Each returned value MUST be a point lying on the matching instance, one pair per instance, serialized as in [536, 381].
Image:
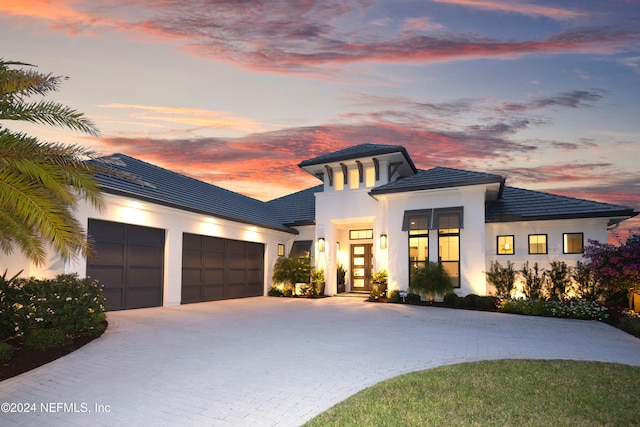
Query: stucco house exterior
[167, 239]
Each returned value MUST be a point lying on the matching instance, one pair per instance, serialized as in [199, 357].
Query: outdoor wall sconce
[383, 241]
[321, 244]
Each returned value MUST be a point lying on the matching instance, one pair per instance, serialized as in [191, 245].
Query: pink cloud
[520, 8]
[303, 37]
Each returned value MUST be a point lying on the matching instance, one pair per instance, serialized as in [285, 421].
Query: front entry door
[361, 264]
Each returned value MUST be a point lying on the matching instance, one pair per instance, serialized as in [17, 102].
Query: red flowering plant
[615, 268]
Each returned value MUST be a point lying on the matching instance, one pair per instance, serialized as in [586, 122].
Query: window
[449, 250]
[338, 180]
[418, 242]
[573, 243]
[354, 178]
[301, 249]
[360, 234]
[505, 245]
[537, 244]
[370, 176]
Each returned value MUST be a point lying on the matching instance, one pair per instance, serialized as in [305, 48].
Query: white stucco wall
[592, 229]
[472, 240]
[175, 222]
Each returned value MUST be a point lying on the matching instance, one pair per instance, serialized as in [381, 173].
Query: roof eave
[114, 191]
[375, 191]
[517, 218]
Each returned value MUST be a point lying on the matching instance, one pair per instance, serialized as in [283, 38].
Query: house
[166, 239]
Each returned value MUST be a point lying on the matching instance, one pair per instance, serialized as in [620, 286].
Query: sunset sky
[237, 93]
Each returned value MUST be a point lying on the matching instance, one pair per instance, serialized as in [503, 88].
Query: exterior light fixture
[383, 241]
[321, 244]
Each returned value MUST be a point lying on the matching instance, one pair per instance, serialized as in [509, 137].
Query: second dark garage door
[214, 268]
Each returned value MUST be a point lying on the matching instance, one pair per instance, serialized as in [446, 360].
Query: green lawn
[498, 393]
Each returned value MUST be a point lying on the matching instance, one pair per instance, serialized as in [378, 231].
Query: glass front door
[361, 264]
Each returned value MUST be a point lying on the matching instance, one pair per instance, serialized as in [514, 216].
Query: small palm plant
[432, 280]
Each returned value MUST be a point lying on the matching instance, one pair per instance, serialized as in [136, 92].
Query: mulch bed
[25, 358]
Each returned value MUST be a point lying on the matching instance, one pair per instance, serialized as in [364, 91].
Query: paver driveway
[275, 361]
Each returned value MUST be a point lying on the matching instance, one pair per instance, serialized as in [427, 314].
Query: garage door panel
[214, 244]
[144, 277]
[214, 260]
[230, 268]
[213, 292]
[142, 297]
[192, 276]
[145, 236]
[191, 241]
[129, 263]
[190, 294]
[145, 255]
[114, 299]
[109, 254]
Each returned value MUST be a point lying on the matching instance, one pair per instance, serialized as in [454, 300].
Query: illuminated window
[338, 180]
[370, 176]
[449, 252]
[537, 244]
[505, 245]
[573, 243]
[354, 178]
[361, 234]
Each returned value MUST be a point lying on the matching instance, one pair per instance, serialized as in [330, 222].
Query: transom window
[361, 234]
[505, 245]
[537, 244]
[573, 243]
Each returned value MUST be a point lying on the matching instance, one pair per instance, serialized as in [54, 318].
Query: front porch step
[352, 295]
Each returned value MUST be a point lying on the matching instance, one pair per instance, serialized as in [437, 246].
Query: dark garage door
[129, 263]
[215, 268]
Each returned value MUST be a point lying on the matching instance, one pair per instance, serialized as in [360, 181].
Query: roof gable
[164, 187]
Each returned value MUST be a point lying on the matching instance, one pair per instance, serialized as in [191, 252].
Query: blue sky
[237, 93]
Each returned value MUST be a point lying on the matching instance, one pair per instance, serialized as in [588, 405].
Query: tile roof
[518, 204]
[358, 151]
[438, 177]
[297, 208]
[168, 188]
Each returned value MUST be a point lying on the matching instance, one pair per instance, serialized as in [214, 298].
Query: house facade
[166, 239]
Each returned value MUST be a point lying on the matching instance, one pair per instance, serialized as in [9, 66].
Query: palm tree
[41, 183]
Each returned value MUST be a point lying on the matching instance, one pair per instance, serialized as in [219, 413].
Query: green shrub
[6, 352]
[585, 283]
[578, 309]
[487, 302]
[413, 298]
[67, 303]
[534, 281]
[43, 339]
[431, 280]
[11, 321]
[275, 292]
[470, 300]
[559, 283]
[451, 299]
[394, 296]
[630, 325]
[502, 278]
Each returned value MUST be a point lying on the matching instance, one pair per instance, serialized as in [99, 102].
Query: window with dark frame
[361, 234]
[505, 245]
[573, 243]
[538, 244]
